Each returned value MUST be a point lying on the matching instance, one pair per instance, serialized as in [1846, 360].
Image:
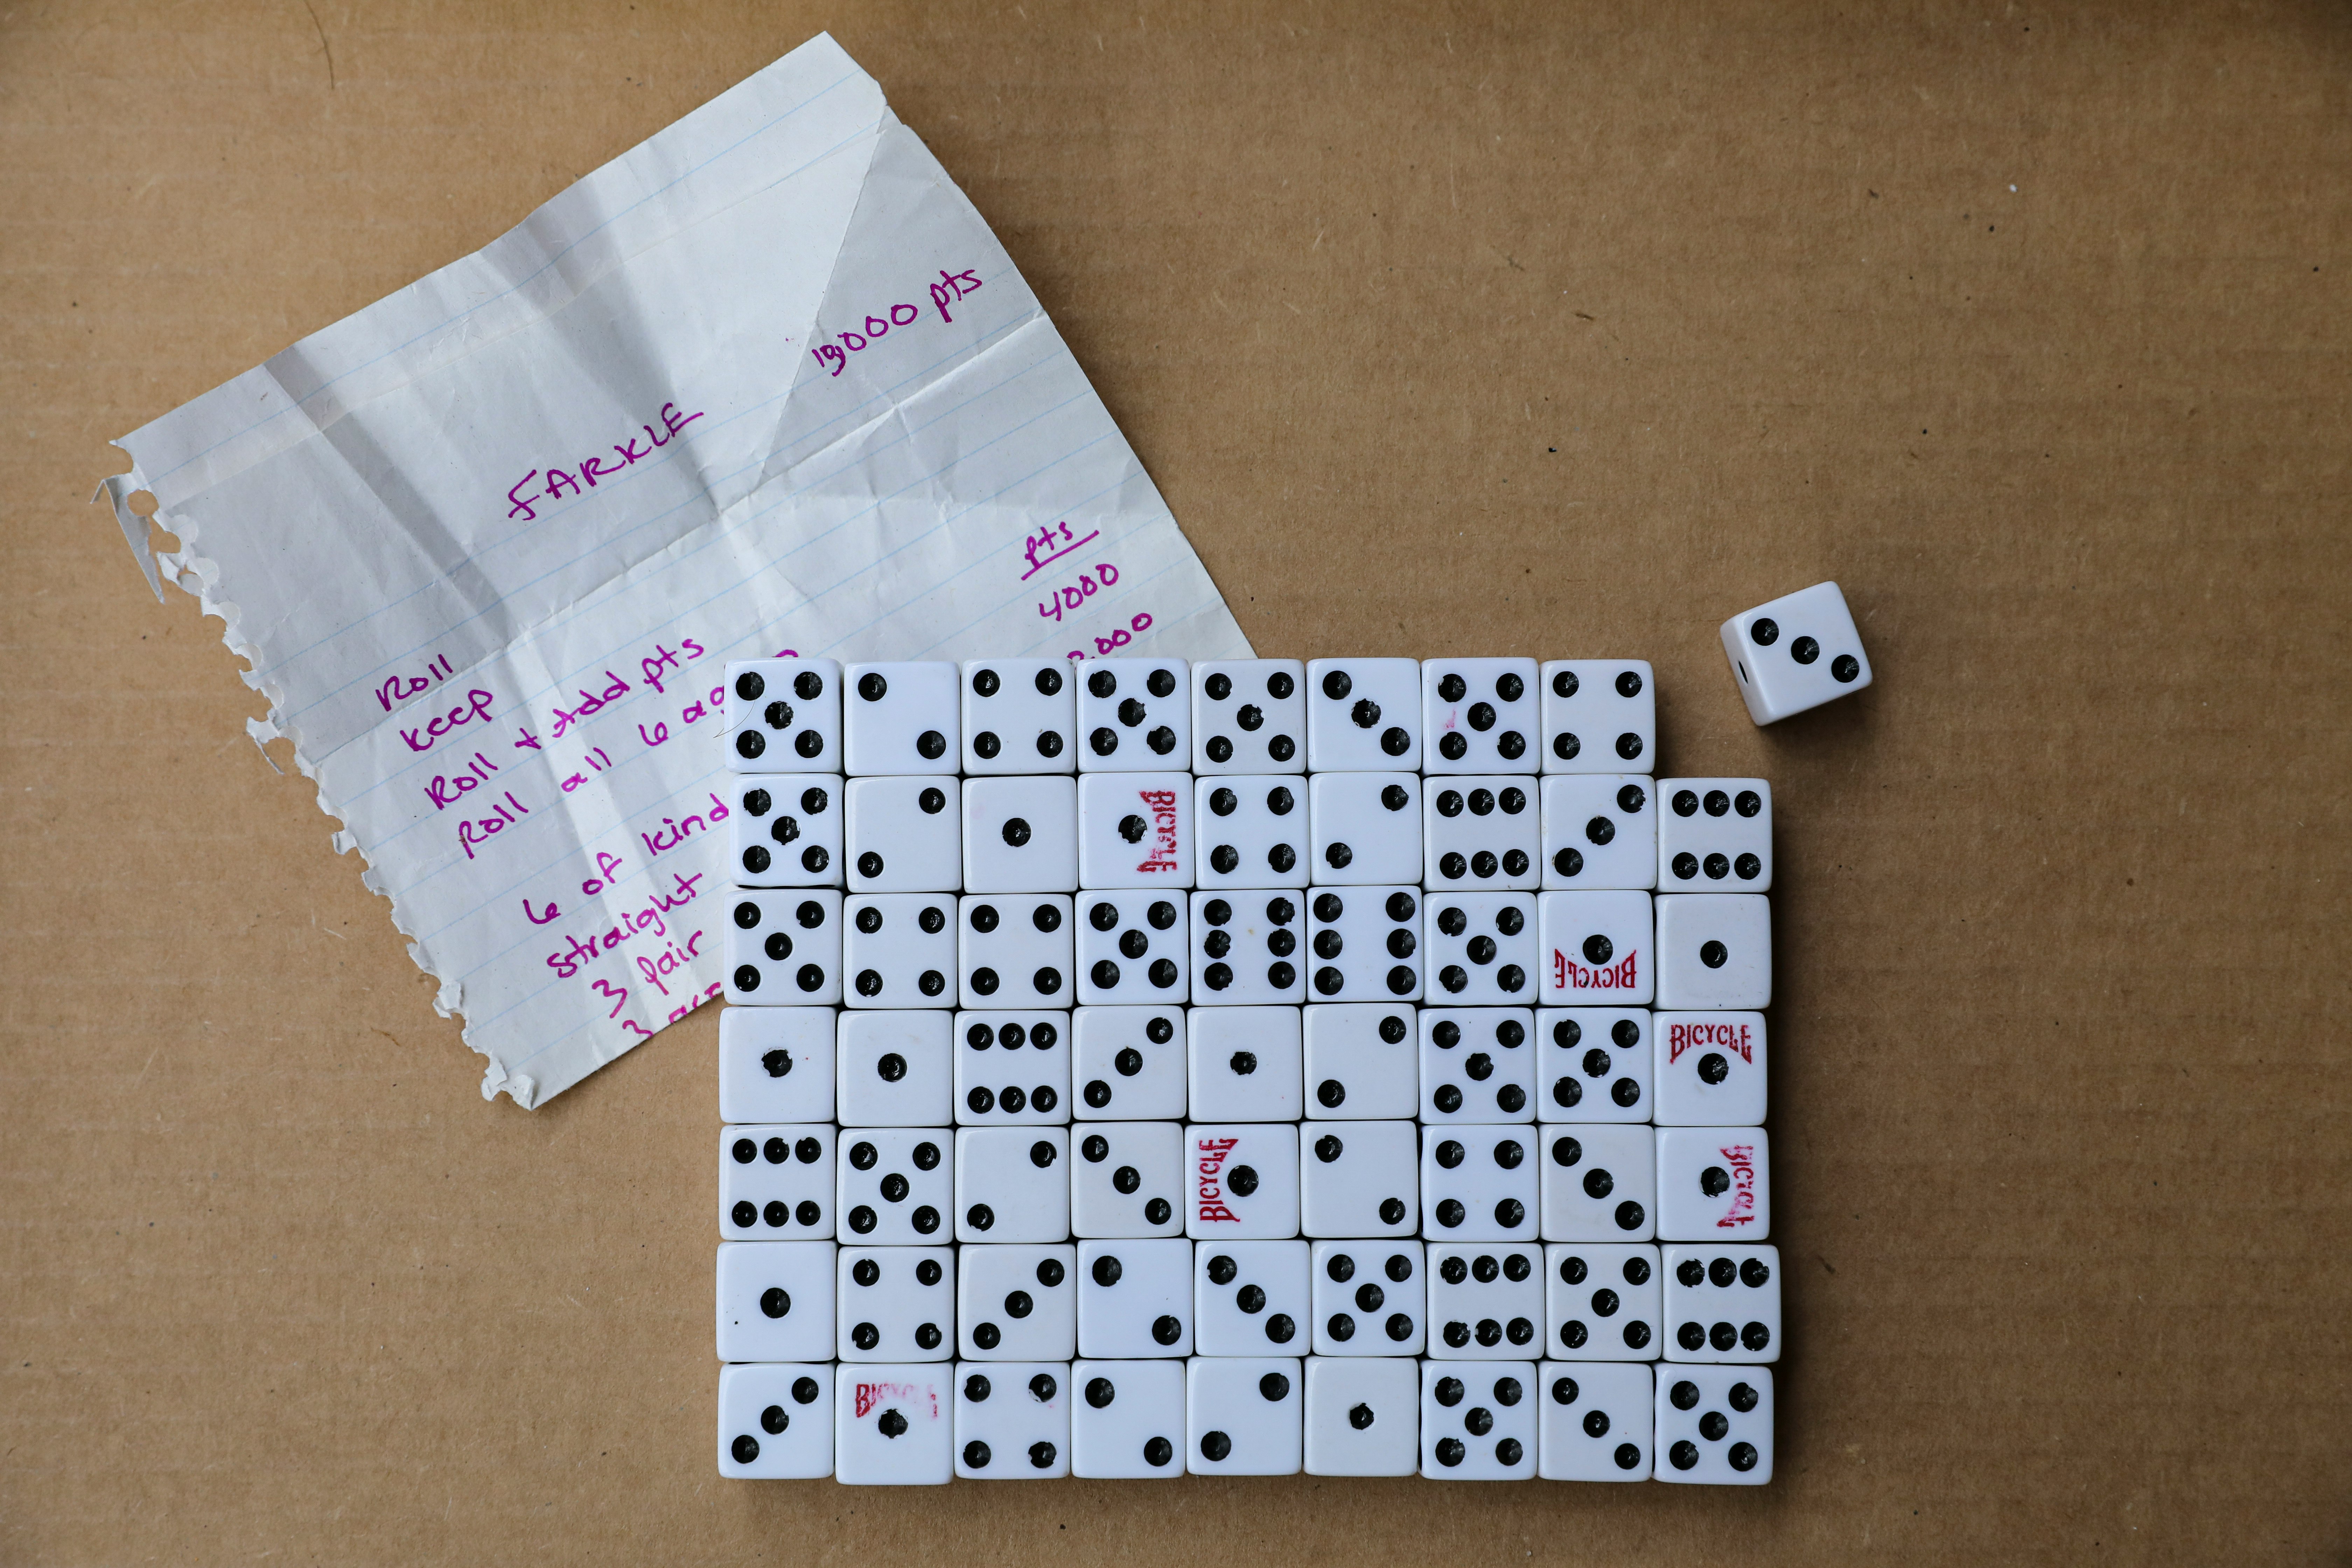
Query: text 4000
[1072, 597]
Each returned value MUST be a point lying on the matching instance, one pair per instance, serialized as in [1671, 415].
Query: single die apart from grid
[1246, 948]
[896, 1303]
[1126, 1419]
[1127, 1180]
[900, 719]
[1486, 1300]
[1479, 715]
[1478, 1422]
[1714, 1184]
[1480, 833]
[1363, 714]
[1602, 1301]
[1594, 949]
[1714, 1424]
[1723, 1302]
[776, 1182]
[1130, 1064]
[1362, 1061]
[1715, 950]
[1251, 830]
[896, 1185]
[1135, 714]
[775, 1063]
[1599, 716]
[1709, 1068]
[1249, 1297]
[903, 835]
[1363, 1416]
[1359, 1178]
[1480, 947]
[1013, 1421]
[1245, 1064]
[1363, 829]
[893, 1424]
[1243, 1415]
[1135, 1298]
[785, 714]
[1020, 716]
[1021, 835]
[1599, 830]
[1018, 1303]
[1480, 1183]
[1012, 1183]
[775, 1421]
[1600, 1182]
[1011, 1069]
[1477, 1064]
[1015, 950]
[1243, 1180]
[786, 832]
[1714, 836]
[1795, 653]
[894, 1069]
[1249, 716]
[1593, 1064]
[1595, 1421]
[1364, 944]
[1134, 946]
[1369, 1298]
[1135, 830]
[899, 950]
[784, 948]
[775, 1301]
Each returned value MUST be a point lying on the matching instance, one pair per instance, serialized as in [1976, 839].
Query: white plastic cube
[1715, 951]
[1249, 716]
[1130, 1064]
[1019, 716]
[1479, 716]
[1594, 950]
[1795, 653]
[1135, 714]
[784, 715]
[775, 1063]
[775, 1421]
[1599, 716]
[900, 719]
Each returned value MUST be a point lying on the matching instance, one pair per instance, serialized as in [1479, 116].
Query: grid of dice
[1138, 1068]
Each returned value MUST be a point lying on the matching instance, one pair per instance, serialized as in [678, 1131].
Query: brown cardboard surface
[1443, 327]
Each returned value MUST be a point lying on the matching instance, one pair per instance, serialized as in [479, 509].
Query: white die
[1127, 1421]
[1012, 1183]
[1714, 1424]
[893, 1424]
[775, 1421]
[900, 719]
[1017, 1303]
[1135, 1298]
[1243, 1415]
[776, 1183]
[1244, 1181]
[1723, 1303]
[1365, 944]
[1362, 1061]
[1596, 1421]
[1363, 829]
[1369, 1298]
[775, 1063]
[896, 1187]
[1486, 1300]
[1246, 948]
[1595, 950]
[1714, 1184]
[1249, 1297]
[1016, 950]
[903, 835]
[896, 1303]
[1011, 1069]
[1479, 715]
[1599, 716]
[1249, 716]
[1478, 1423]
[1134, 946]
[894, 1069]
[784, 948]
[899, 950]
[1245, 1064]
[1363, 715]
[1019, 716]
[1013, 1421]
[1477, 1064]
[1021, 835]
[1602, 1301]
[1709, 1068]
[1714, 836]
[1363, 1416]
[1715, 951]
[784, 715]
[1599, 830]
[775, 1301]
[786, 832]
[1479, 1183]
[1480, 833]
[1135, 714]
[1481, 948]
[1135, 830]
[1359, 1179]
[1127, 1180]
[1600, 1182]
[1130, 1064]
[1251, 830]
[1593, 1064]
[1795, 653]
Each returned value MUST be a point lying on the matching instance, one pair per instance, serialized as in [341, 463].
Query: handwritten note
[766, 381]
